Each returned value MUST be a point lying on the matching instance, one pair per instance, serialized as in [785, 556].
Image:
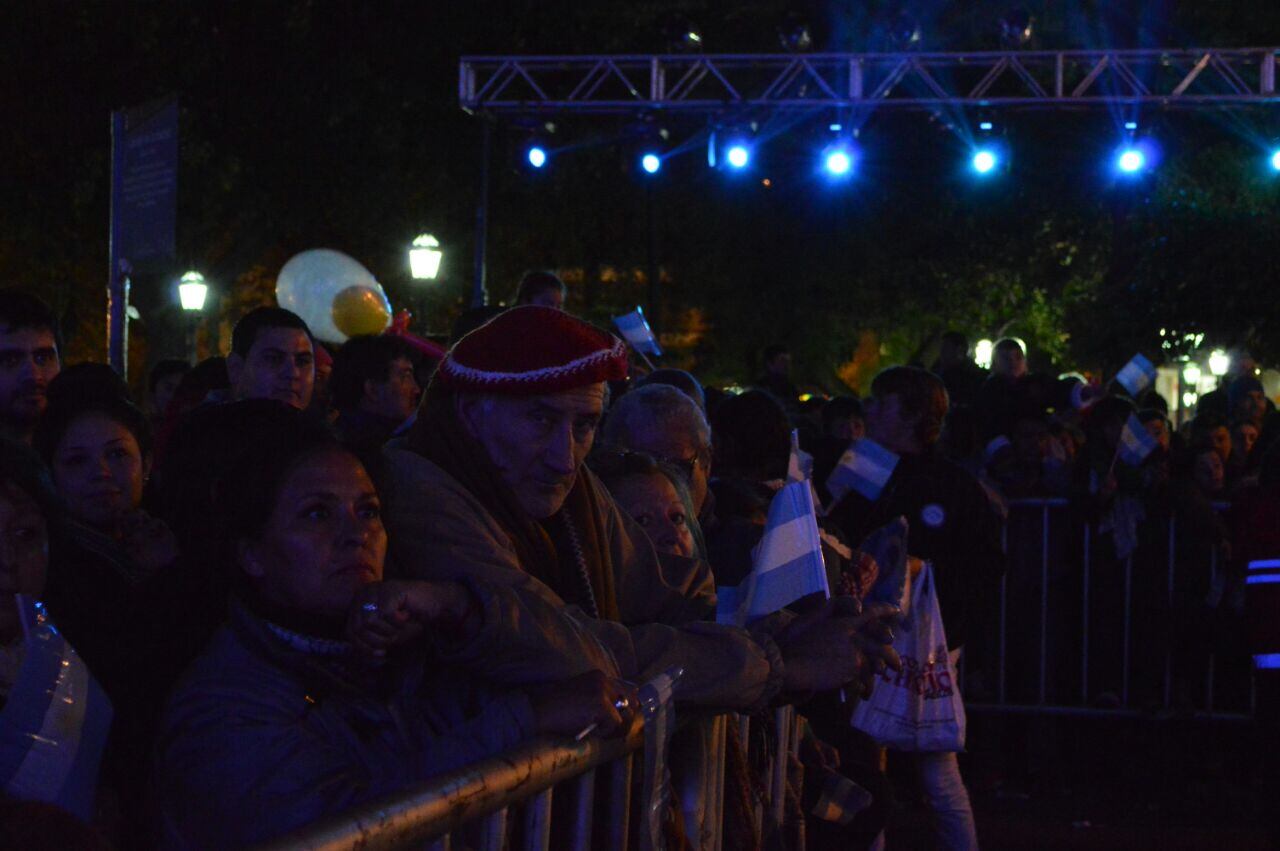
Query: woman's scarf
[580, 570]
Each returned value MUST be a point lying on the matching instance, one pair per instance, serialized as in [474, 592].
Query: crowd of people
[306, 579]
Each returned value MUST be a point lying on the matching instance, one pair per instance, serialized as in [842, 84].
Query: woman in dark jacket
[323, 692]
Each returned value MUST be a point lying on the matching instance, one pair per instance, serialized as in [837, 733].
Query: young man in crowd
[952, 525]
[373, 388]
[272, 357]
[492, 484]
[777, 377]
[28, 362]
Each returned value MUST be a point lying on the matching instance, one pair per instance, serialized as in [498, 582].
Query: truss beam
[1185, 78]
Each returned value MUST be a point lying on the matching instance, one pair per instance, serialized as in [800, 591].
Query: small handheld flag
[787, 563]
[635, 329]
[1137, 375]
[865, 467]
[1136, 443]
[800, 467]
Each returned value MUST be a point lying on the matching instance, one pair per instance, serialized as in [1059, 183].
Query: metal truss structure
[1184, 78]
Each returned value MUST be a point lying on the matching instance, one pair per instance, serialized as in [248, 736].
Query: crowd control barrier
[1079, 631]
[597, 786]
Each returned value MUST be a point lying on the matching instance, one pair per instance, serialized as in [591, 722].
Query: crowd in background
[304, 583]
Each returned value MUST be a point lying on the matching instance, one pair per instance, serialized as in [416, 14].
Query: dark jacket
[952, 524]
[270, 731]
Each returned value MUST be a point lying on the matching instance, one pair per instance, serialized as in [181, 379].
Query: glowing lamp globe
[425, 257]
[192, 291]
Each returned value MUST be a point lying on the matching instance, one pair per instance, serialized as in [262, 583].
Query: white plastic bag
[920, 708]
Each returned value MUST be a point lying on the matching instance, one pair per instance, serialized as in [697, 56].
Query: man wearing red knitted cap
[492, 484]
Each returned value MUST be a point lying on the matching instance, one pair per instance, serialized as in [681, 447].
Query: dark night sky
[309, 123]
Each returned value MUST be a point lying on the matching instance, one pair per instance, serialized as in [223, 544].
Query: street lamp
[424, 257]
[1218, 362]
[982, 353]
[192, 291]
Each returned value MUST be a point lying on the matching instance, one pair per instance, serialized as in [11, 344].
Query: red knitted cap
[531, 350]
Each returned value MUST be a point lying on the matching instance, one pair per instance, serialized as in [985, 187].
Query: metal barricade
[519, 788]
[1046, 577]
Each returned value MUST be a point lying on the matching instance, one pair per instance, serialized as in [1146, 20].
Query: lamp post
[192, 292]
[425, 257]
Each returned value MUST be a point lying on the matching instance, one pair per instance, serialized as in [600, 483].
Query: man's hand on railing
[838, 644]
[568, 707]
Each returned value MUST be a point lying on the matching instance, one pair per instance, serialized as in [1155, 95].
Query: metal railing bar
[1128, 613]
[440, 806]
[1093, 712]
[537, 821]
[619, 826]
[1044, 602]
[493, 831]
[584, 799]
[1084, 632]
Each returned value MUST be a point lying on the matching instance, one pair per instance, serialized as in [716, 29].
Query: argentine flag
[787, 563]
[54, 724]
[635, 329]
[865, 467]
[1136, 443]
[1137, 375]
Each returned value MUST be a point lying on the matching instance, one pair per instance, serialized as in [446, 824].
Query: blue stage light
[838, 161]
[1275, 160]
[984, 161]
[738, 156]
[1131, 125]
[986, 126]
[537, 157]
[1131, 161]
[651, 163]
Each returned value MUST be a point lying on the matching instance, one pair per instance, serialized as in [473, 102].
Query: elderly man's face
[538, 443]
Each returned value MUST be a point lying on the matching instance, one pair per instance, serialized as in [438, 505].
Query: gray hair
[655, 406]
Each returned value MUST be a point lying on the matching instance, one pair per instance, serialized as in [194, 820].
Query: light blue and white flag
[1137, 375]
[635, 329]
[54, 725]
[865, 467]
[787, 563]
[1136, 443]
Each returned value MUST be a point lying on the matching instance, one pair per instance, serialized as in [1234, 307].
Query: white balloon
[310, 281]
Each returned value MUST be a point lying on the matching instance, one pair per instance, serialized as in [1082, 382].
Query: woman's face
[653, 502]
[24, 556]
[99, 471]
[1209, 473]
[324, 540]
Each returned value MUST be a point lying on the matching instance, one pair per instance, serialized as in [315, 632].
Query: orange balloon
[360, 310]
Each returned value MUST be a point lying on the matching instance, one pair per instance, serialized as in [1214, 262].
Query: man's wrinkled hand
[590, 702]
